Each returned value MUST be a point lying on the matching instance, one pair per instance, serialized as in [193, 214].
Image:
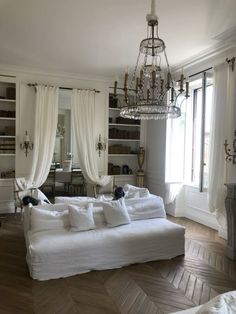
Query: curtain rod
[229, 61]
[68, 88]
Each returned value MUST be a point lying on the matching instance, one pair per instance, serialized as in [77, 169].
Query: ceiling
[101, 37]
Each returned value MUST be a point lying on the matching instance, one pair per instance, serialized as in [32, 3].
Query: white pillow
[145, 208]
[116, 213]
[132, 191]
[42, 220]
[132, 194]
[81, 219]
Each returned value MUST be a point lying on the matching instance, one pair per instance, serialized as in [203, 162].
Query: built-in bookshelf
[123, 143]
[7, 127]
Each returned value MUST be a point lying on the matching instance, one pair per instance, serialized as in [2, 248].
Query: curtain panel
[83, 128]
[223, 123]
[46, 116]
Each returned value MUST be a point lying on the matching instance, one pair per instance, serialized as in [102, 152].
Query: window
[198, 116]
[187, 138]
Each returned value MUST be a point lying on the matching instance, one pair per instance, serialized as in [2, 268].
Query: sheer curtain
[222, 126]
[174, 174]
[46, 115]
[83, 127]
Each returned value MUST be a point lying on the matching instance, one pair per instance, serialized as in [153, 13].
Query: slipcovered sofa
[55, 253]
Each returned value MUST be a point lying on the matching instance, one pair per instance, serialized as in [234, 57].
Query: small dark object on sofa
[119, 192]
[29, 199]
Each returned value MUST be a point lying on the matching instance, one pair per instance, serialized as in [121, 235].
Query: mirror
[63, 149]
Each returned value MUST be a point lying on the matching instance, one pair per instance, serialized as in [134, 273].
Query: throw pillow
[116, 213]
[81, 219]
[42, 220]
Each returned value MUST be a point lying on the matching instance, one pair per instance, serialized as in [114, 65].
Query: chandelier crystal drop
[150, 92]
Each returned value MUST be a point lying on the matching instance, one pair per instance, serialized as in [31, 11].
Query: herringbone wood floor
[155, 287]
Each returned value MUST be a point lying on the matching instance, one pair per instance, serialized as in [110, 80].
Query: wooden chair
[77, 184]
[50, 182]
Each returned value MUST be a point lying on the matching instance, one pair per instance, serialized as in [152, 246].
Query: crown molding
[203, 57]
[227, 36]
[21, 70]
[226, 42]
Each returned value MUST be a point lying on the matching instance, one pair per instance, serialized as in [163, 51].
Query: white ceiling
[101, 37]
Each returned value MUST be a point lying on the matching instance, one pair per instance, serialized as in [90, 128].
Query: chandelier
[150, 92]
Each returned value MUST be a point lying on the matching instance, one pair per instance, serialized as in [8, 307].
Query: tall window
[198, 116]
[187, 140]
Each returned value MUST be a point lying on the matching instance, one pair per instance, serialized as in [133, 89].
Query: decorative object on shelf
[101, 146]
[11, 93]
[27, 144]
[125, 169]
[60, 131]
[230, 156]
[140, 172]
[147, 91]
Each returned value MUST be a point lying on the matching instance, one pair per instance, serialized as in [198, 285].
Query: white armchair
[20, 190]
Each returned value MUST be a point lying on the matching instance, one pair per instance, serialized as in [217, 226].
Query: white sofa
[61, 253]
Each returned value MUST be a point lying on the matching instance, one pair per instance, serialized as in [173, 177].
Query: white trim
[14, 70]
[226, 42]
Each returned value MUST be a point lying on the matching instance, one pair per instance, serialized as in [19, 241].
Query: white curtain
[174, 174]
[83, 127]
[46, 115]
[222, 127]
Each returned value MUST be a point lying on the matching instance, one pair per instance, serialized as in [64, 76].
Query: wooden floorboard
[154, 287]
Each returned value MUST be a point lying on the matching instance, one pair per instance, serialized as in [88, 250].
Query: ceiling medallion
[150, 92]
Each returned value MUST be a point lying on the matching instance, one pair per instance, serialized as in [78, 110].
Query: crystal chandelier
[150, 92]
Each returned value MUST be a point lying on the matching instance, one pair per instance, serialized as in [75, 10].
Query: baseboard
[201, 216]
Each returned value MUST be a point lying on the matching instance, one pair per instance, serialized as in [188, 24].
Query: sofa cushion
[42, 220]
[116, 213]
[81, 218]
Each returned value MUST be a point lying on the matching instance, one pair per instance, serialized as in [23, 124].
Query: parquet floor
[155, 287]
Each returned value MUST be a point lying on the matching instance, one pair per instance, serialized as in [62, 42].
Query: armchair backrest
[106, 189]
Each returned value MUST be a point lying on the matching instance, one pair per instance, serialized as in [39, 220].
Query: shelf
[115, 109]
[7, 100]
[7, 136]
[7, 154]
[122, 155]
[6, 179]
[124, 175]
[121, 124]
[122, 140]
[6, 118]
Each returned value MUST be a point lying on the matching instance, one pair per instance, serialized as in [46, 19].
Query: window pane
[209, 93]
[196, 145]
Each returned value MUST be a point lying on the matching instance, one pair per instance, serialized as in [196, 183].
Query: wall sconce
[27, 144]
[229, 155]
[100, 146]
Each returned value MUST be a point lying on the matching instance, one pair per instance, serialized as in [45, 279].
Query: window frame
[202, 162]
